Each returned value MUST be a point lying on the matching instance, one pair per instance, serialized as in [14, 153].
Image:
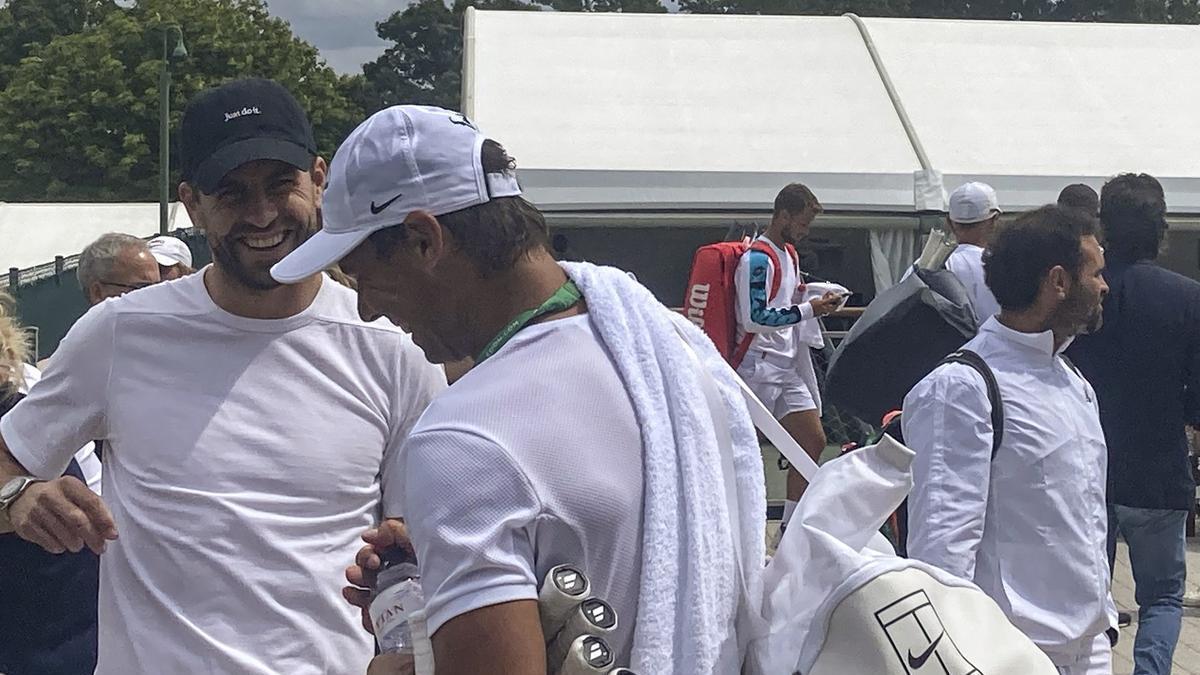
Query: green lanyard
[564, 298]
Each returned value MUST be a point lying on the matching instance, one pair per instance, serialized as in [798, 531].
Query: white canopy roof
[698, 112]
[1031, 107]
[33, 234]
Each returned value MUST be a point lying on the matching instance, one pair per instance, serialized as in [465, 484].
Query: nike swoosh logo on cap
[917, 662]
[376, 210]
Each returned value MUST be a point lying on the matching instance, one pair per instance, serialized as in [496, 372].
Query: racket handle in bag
[588, 655]
[590, 617]
[564, 587]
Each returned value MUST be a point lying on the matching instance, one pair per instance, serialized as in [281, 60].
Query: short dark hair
[1134, 212]
[495, 234]
[794, 198]
[1080, 196]
[1022, 252]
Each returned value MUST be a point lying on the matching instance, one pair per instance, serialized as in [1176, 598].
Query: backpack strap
[969, 358]
[777, 278]
[739, 354]
[1072, 366]
[795, 258]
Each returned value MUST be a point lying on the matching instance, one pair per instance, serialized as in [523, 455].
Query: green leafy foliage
[79, 113]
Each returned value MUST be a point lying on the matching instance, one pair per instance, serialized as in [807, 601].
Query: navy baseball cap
[239, 122]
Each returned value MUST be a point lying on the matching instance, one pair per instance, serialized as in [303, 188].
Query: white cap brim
[165, 260]
[321, 251]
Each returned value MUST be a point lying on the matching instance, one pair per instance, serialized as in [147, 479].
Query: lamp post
[164, 118]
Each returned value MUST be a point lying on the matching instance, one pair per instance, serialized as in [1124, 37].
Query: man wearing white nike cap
[973, 216]
[544, 453]
[247, 425]
[173, 256]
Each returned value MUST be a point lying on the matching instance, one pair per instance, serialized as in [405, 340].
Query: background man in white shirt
[778, 366]
[972, 218]
[250, 429]
[113, 265]
[1029, 525]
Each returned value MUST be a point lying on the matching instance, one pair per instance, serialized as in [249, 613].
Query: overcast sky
[344, 30]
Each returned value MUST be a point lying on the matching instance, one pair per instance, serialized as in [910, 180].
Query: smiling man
[246, 424]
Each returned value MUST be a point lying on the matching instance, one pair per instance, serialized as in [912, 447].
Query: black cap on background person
[239, 122]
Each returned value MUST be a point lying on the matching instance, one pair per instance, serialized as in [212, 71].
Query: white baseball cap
[401, 159]
[170, 251]
[973, 203]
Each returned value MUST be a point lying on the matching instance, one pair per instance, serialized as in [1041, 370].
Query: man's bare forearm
[504, 639]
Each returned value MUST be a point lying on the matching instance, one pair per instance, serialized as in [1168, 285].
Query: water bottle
[398, 609]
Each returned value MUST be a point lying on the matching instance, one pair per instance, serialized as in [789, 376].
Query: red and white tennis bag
[709, 301]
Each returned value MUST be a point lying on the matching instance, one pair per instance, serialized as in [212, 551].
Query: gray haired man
[113, 265]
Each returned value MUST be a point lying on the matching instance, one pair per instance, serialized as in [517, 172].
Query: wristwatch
[13, 489]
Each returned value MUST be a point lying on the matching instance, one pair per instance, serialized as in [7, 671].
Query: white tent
[675, 113]
[34, 233]
[1030, 107]
[622, 111]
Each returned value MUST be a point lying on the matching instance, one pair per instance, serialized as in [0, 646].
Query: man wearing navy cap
[250, 427]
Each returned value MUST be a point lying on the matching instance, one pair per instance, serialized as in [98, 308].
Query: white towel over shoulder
[691, 591]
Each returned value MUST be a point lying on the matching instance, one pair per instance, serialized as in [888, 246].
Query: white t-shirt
[89, 463]
[548, 436]
[243, 459]
[966, 262]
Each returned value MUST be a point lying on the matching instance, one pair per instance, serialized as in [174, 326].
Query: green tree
[424, 65]
[27, 23]
[79, 115]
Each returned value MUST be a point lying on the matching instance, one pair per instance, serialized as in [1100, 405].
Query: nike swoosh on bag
[916, 662]
[376, 210]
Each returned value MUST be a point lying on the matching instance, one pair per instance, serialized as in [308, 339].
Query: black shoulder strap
[1071, 365]
[970, 358]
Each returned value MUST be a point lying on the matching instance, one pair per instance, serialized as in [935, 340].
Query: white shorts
[1099, 662]
[781, 388]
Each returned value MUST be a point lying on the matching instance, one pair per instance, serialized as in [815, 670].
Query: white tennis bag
[837, 600]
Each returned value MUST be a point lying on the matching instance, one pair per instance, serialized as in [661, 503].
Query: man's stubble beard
[248, 276]
[1084, 317]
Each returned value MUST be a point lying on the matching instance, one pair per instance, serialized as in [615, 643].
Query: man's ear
[94, 292]
[1059, 280]
[319, 173]
[189, 196]
[426, 239]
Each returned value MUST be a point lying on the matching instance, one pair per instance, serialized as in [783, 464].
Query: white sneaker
[1191, 599]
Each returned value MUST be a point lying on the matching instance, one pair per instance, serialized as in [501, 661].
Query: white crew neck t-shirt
[548, 436]
[243, 459]
[89, 463]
